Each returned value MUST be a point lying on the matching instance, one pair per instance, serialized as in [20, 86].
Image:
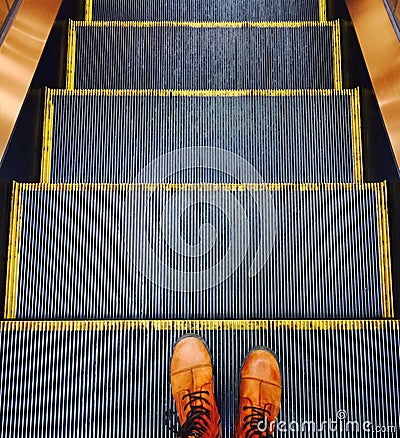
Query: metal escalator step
[172, 55]
[103, 136]
[111, 379]
[199, 251]
[191, 10]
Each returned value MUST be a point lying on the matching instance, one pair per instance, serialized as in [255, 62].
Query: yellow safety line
[211, 24]
[195, 325]
[89, 10]
[356, 135]
[322, 10]
[13, 253]
[389, 278]
[197, 187]
[71, 55]
[47, 137]
[201, 93]
[337, 56]
[384, 253]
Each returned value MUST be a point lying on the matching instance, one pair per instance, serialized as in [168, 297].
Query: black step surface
[111, 379]
[212, 10]
[128, 55]
[200, 251]
[282, 136]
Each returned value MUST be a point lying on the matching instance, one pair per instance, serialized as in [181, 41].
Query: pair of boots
[193, 392]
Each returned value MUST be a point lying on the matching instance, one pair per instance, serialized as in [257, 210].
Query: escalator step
[199, 251]
[212, 10]
[285, 136]
[155, 55]
[112, 378]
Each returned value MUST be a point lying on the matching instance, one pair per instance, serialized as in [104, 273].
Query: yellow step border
[356, 135]
[13, 253]
[337, 56]
[322, 10]
[48, 121]
[384, 251]
[354, 95]
[71, 56]
[380, 190]
[197, 325]
[335, 25]
[89, 10]
[202, 93]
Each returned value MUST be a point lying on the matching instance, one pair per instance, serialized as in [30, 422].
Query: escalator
[209, 169]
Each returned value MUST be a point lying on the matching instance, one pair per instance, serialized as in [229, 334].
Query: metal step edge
[16, 223]
[89, 10]
[73, 25]
[112, 378]
[354, 95]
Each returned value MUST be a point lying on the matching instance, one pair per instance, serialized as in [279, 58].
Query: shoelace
[256, 423]
[198, 419]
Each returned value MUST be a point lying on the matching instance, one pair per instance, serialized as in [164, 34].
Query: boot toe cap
[262, 365]
[189, 352]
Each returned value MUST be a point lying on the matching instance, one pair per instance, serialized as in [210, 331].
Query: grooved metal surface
[114, 382]
[113, 138]
[205, 56]
[213, 10]
[200, 252]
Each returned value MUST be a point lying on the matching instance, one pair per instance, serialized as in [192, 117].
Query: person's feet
[260, 396]
[193, 390]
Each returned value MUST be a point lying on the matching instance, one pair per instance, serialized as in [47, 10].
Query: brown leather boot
[260, 396]
[193, 390]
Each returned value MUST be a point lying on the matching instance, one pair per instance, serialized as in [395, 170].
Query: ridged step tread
[199, 251]
[111, 379]
[179, 55]
[286, 136]
[212, 10]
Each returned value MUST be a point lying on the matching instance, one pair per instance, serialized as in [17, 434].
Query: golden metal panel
[19, 56]
[381, 50]
[3, 11]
